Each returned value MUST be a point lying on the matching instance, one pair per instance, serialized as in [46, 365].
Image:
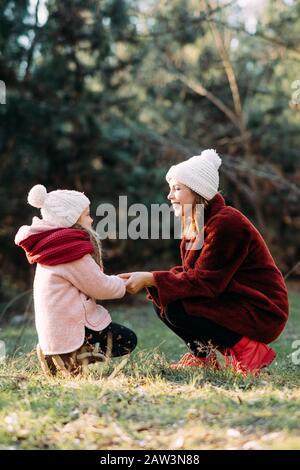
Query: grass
[141, 404]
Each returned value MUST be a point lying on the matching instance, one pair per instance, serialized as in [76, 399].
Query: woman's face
[85, 219]
[179, 196]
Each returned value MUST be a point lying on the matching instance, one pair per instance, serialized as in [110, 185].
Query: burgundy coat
[233, 280]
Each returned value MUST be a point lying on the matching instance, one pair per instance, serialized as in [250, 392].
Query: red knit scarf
[57, 246]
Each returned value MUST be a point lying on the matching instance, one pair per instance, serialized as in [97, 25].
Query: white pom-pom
[37, 196]
[212, 156]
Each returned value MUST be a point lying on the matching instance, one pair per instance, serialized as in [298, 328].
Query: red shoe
[249, 356]
[189, 360]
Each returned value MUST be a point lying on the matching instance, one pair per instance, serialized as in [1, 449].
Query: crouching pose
[228, 292]
[73, 330]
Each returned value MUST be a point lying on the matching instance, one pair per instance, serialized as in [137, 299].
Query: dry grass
[142, 404]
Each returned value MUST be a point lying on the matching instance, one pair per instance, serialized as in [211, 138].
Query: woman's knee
[175, 314]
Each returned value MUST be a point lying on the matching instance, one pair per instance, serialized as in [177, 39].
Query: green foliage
[96, 94]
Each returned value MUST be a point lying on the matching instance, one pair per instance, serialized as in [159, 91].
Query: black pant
[115, 340]
[197, 332]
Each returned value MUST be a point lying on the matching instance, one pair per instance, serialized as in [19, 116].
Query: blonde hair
[95, 240]
[191, 229]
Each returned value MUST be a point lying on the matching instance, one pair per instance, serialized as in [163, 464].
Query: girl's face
[179, 195]
[85, 219]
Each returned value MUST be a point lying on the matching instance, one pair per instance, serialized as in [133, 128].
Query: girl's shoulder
[85, 264]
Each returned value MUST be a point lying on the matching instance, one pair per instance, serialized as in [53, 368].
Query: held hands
[135, 282]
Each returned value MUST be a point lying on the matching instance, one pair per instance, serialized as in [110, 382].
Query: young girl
[69, 277]
[229, 293]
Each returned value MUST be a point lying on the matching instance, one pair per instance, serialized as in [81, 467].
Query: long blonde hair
[95, 240]
[191, 229]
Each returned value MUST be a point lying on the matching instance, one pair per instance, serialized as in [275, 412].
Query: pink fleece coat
[64, 298]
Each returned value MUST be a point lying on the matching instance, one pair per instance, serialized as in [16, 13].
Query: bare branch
[33, 44]
[198, 88]
[227, 64]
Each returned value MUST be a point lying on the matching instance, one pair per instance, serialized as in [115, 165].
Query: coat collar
[215, 204]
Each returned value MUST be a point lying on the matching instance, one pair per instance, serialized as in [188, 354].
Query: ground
[142, 404]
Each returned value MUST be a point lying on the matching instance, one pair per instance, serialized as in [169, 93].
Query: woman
[228, 293]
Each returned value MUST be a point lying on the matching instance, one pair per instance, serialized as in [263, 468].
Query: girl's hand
[138, 280]
[125, 276]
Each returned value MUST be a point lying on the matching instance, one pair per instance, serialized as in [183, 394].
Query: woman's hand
[137, 281]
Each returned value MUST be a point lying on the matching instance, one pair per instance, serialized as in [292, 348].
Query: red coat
[233, 280]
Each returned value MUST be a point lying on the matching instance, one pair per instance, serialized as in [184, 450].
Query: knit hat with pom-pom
[61, 208]
[199, 173]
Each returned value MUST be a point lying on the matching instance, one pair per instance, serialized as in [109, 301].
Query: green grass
[142, 404]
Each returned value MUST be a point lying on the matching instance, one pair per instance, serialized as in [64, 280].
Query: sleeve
[152, 294]
[176, 269]
[226, 246]
[87, 277]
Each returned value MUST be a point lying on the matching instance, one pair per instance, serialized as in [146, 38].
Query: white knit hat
[61, 208]
[199, 173]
